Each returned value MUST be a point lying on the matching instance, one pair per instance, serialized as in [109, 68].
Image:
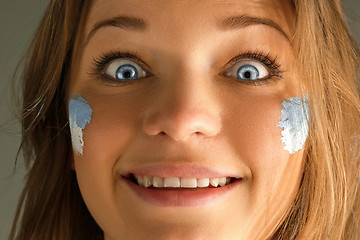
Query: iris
[126, 72]
[248, 72]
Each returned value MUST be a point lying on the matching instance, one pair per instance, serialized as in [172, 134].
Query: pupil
[127, 74]
[247, 74]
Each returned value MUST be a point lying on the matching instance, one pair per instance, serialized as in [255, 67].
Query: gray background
[18, 21]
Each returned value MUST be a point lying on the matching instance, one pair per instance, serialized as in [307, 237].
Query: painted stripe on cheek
[79, 116]
[294, 121]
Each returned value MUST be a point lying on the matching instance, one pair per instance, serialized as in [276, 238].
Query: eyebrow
[123, 22]
[243, 21]
[139, 24]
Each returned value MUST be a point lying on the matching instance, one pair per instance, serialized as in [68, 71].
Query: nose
[184, 107]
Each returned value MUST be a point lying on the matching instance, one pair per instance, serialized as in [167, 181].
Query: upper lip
[179, 170]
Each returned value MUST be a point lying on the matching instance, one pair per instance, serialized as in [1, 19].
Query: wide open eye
[124, 69]
[248, 70]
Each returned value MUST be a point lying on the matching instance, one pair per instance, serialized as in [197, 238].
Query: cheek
[267, 131]
[257, 140]
[255, 136]
[103, 126]
[114, 124]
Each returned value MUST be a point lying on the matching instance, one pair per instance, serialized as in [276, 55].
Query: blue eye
[126, 72]
[124, 69]
[248, 70]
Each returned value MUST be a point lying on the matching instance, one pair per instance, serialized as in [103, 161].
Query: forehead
[175, 16]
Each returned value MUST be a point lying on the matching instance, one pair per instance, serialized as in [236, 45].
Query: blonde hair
[328, 202]
[327, 205]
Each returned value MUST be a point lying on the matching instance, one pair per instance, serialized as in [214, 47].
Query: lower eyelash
[260, 82]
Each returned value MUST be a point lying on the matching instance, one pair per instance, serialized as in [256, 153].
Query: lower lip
[181, 198]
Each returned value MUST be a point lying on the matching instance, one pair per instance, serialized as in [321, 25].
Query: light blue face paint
[294, 121]
[79, 116]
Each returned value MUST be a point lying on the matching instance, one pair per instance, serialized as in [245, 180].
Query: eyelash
[102, 61]
[271, 63]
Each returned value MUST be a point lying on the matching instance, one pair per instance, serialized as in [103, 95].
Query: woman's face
[184, 92]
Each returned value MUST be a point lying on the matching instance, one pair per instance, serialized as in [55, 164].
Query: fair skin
[187, 113]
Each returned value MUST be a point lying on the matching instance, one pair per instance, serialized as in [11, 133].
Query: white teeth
[140, 180]
[188, 182]
[203, 182]
[158, 182]
[222, 181]
[177, 182]
[214, 182]
[172, 182]
[148, 181]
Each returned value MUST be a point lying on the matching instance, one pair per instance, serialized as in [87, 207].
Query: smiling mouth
[179, 183]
